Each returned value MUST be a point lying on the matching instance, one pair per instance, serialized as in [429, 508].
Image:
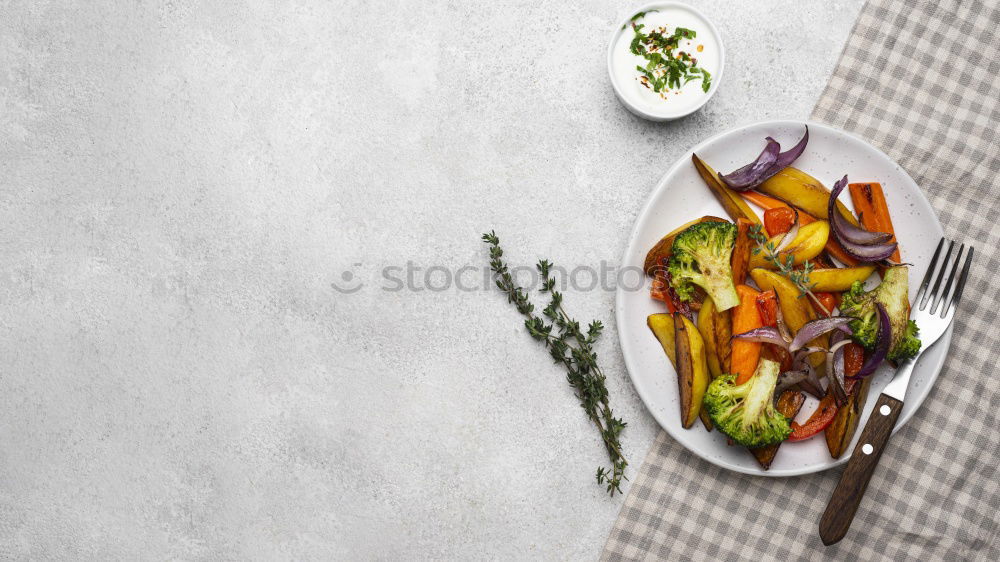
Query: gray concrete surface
[182, 184]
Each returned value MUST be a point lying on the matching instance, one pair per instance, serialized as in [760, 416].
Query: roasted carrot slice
[763, 201]
[869, 202]
[745, 354]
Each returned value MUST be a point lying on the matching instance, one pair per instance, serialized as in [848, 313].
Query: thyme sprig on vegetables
[570, 346]
[666, 65]
[786, 266]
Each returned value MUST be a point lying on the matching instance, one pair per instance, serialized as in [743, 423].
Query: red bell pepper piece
[779, 220]
[828, 300]
[767, 306]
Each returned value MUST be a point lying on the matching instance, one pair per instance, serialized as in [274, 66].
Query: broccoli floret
[700, 256]
[864, 328]
[893, 293]
[746, 412]
[908, 345]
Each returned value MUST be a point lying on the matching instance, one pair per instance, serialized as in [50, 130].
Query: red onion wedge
[882, 343]
[848, 231]
[786, 158]
[789, 379]
[800, 355]
[812, 384]
[749, 176]
[835, 373]
[766, 334]
[783, 328]
[769, 162]
[858, 235]
[816, 328]
[839, 335]
[847, 235]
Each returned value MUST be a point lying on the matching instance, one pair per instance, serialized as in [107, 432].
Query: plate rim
[917, 400]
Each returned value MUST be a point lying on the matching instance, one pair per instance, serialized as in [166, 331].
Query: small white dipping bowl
[621, 64]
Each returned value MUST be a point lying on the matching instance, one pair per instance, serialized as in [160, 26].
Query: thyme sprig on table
[570, 346]
[786, 266]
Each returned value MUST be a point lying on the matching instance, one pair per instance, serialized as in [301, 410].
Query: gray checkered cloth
[920, 80]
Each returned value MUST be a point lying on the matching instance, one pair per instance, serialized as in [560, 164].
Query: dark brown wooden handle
[847, 496]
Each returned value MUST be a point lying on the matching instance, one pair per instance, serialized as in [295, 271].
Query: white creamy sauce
[669, 100]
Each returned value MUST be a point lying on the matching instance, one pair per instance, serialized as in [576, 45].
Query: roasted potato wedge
[731, 201]
[692, 369]
[799, 189]
[808, 243]
[788, 404]
[716, 329]
[706, 326]
[796, 311]
[687, 355]
[661, 249]
[841, 431]
[662, 326]
[837, 280]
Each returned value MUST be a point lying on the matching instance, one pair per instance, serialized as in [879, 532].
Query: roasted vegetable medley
[808, 299]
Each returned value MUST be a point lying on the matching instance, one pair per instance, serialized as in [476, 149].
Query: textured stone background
[180, 186]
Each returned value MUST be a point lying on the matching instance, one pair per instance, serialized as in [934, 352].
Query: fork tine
[934, 293]
[943, 299]
[922, 293]
[961, 283]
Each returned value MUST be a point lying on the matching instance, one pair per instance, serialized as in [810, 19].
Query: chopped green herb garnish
[666, 65]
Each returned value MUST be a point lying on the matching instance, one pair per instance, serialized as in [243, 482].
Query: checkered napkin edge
[921, 81]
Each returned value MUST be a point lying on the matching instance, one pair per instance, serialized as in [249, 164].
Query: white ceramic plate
[682, 195]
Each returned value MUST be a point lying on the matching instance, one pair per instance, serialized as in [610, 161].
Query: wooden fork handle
[847, 496]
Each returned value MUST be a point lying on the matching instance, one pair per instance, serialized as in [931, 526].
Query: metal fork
[934, 309]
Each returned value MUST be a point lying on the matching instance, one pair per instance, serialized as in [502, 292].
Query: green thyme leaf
[798, 277]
